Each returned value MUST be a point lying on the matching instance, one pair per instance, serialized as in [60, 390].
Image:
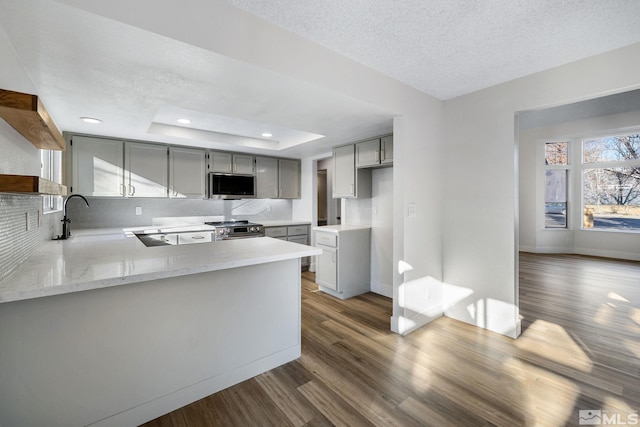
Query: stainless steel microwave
[227, 186]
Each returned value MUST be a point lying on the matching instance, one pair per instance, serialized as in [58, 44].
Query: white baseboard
[404, 325]
[179, 398]
[383, 289]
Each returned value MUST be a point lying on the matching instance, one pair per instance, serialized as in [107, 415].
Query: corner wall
[479, 226]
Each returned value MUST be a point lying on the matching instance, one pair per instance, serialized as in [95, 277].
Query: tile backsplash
[23, 228]
[109, 213]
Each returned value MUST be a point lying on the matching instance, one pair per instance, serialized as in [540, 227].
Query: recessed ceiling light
[267, 135]
[90, 120]
[184, 121]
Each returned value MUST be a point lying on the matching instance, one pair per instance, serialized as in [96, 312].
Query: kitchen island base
[124, 355]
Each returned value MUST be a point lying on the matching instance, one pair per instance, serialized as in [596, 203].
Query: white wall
[382, 232]
[418, 128]
[18, 155]
[533, 236]
[480, 199]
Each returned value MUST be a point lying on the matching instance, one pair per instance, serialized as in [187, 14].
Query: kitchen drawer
[297, 230]
[275, 231]
[327, 239]
[188, 238]
[298, 239]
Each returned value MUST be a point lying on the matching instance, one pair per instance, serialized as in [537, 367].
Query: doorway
[322, 197]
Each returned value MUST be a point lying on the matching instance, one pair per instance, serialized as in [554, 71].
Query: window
[556, 158]
[611, 183]
[51, 169]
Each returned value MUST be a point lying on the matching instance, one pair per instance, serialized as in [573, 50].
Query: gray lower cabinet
[343, 270]
[291, 233]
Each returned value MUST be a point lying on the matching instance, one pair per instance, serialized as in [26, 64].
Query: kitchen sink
[175, 238]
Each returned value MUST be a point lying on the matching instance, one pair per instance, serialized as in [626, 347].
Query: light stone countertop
[341, 227]
[99, 258]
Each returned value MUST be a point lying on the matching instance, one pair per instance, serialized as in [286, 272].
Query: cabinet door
[188, 173]
[220, 162]
[289, 178]
[344, 171]
[368, 153]
[98, 166]
[243, 164]
[304, 261]
[267, 178]
[386, 150]
[327, 268]
[146, 170]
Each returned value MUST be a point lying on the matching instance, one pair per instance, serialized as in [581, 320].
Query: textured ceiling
[85, 63]
[448, 48]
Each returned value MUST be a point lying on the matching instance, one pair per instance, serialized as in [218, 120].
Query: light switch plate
[411, 210]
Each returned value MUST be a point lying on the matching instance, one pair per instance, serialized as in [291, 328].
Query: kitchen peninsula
[101, 330]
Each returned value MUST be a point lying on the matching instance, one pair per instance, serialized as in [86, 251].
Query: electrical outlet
[268, 208]
[138, 210]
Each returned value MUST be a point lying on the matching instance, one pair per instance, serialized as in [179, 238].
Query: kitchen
[433, 231]
[156, 198]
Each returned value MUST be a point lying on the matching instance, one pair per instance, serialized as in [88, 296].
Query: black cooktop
[231, 223]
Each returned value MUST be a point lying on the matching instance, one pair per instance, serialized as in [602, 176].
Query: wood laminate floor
[579, 350]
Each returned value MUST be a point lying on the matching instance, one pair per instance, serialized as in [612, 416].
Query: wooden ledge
[30, 185]
[27, 115]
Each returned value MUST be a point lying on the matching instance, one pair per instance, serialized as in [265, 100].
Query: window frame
[51, 169]
[569, 182]
[610, 164]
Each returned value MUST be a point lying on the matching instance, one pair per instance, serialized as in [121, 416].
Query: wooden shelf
[26, 114]
[30, 185]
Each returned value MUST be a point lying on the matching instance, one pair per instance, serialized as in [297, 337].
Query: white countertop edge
[146, 277]
[31, 292]
[341, 228]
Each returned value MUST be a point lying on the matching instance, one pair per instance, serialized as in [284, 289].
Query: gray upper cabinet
[386, 150]
[267, 186]
[375, 152]
[349, 181]
[368, 153]
[187, 168]
[97, 166]
[344, 180]
[289, 178]
[277, 178]
[146, 170]
[231, 163]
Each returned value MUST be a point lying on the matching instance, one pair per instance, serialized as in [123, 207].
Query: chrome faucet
[66, 222]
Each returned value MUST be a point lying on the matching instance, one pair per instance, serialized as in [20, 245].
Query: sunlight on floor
[552, 342]
[546, 399]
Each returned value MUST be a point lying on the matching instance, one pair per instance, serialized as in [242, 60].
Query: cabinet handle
[351, 189]
[333, 256]
[377, 155]
[132, 190]
[382, 155]
[122, 189]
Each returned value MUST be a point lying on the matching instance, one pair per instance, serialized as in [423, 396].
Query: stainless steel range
[236, 229]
